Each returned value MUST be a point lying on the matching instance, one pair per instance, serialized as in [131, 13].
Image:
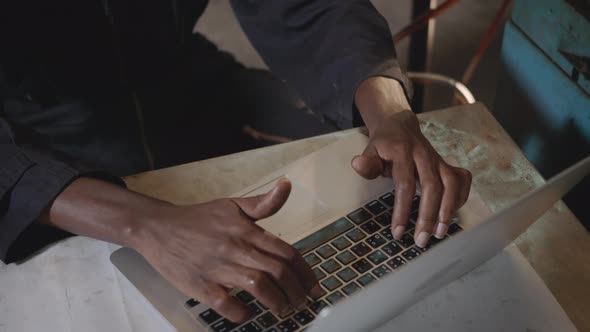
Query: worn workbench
[72, 286]
[557, 245]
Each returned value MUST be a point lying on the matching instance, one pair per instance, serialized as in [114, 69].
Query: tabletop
[557, 245]
[63, 280]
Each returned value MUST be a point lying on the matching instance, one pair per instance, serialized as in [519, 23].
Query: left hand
[397, 148]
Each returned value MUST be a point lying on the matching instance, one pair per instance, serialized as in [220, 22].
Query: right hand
[206, 249]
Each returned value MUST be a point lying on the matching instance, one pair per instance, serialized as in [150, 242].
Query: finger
[265, 205]
[405, 187]
[218, 299]
[283, 275]
[431, 196]
[255, 282]
[466, 185]
[450, 199]
[278, 248]
[368, 165]
[457, 183]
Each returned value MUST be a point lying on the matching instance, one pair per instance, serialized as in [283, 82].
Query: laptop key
[267, 320]
[223, 325]
[334, 297]
[319, 274]
[381, 271]
[392, 249]
[415, 203]
[250, 327]
[341, 243]
[303, 317]
[318, 306]
[384, 219]
[411, 253]
[387, 199]
[245, 297]
[326, 251]
[386, 233]
[261, 305]
[350, 288]
[431, 243]
[454, 228]
[331, 283]
[286, 314]
[377, 257]
[375, 207]
[255, 308]
[312, 259]
[362, 266]
[288, 325]
[356, 235]
[396, 262]
[209, 316]
[345, 257]
[434, 241]
[370, 227]
[360, 249]
[324, 235]
[365, 280]
[410, 226]
[359, 216]
[375, 241]
[191, 303]
[407, 240]
[346, 274]
[331, 266]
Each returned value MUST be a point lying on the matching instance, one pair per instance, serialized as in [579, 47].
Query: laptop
[340, 223]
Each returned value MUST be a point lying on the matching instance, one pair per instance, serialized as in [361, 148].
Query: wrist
[143, 221]
[379, 97]
[104, 211]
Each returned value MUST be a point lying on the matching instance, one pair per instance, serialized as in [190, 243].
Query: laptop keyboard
[347, 255]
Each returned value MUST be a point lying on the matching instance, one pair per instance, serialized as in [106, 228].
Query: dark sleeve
[322, 48]
[30, 179]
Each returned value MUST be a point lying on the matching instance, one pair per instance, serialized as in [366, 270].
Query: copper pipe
[260, 136]
[485, 42]
[421, 21]
[461, 91]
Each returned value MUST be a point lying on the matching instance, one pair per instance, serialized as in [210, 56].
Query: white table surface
[73, 287]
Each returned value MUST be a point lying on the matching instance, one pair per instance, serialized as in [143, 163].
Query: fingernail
[422, 239]
[286, 311]
[441, 230]
[302, 306]
[398, 231]
[316, 291]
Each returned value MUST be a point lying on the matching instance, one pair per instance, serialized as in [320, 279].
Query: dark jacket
[76, 56]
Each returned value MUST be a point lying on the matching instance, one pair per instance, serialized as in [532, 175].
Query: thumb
[368, 165]
[265, 205]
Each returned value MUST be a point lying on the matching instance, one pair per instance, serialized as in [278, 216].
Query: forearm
[378, 97]
[103, 211]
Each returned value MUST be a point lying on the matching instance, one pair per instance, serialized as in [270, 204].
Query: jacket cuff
[396, 74]
[387, 70]
[347, 111]
[39, 183]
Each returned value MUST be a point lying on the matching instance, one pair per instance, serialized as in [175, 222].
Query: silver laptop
[340, 223]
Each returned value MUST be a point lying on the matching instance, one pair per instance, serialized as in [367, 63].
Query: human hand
[204, 250]
[397, 148]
